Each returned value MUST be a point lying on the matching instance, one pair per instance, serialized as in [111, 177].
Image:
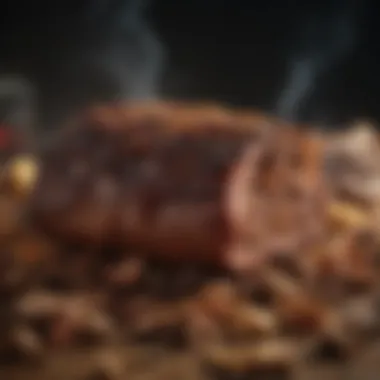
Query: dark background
[240, 52]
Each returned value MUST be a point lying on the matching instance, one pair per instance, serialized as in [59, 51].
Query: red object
[5, 137]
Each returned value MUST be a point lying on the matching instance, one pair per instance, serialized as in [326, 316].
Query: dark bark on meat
[168, 179]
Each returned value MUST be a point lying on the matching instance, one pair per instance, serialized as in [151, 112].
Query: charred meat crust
[183, 182]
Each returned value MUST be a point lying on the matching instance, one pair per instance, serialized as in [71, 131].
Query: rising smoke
[322, 42]
[79, 53]
[16, 102]
[128, 52]
[119, 57]
[76, 55]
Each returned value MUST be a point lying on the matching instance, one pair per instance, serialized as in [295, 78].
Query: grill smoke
[322, 43]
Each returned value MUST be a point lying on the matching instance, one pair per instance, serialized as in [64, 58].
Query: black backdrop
[234, 51]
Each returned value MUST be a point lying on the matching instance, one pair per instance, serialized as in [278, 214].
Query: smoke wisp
[82, 54]
[324, 41]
